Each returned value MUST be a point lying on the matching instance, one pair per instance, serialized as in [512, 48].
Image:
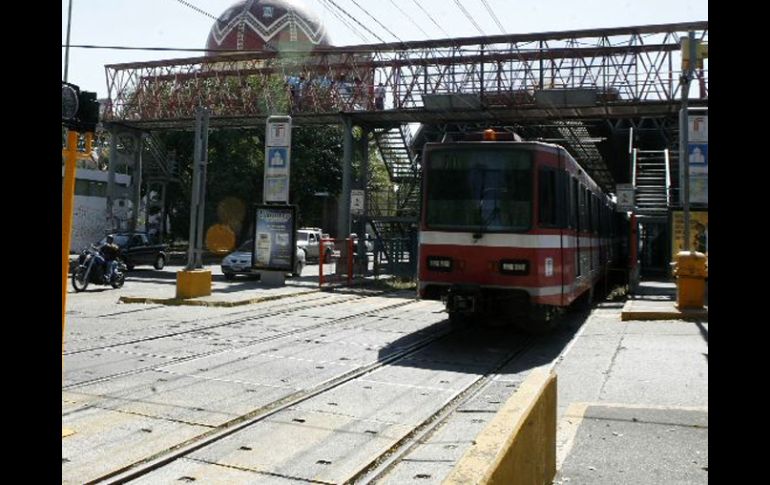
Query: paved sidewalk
[633, 400]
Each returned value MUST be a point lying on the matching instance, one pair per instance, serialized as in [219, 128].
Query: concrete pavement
[633, 401]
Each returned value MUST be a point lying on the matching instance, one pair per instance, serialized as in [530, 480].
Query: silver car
[239, 262]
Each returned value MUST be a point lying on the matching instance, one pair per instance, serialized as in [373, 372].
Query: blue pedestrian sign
[277, 157]
[698, 153]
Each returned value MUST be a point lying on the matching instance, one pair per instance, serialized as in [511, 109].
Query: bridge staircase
[159, 169]
[394, 216]
[651, 178]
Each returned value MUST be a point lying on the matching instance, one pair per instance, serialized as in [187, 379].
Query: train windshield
[481, 189]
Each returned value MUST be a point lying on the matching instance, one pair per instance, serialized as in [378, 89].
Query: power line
[432, 19]
[180, 49]
[356, 21]
[410, 19]
[347, 24]
[469, 17]
[494, 17]
[187, 4]
[375, 19]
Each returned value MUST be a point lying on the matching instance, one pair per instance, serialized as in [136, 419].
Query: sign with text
[275, 238]
[697, 154]
[357, 202]
[277, 159]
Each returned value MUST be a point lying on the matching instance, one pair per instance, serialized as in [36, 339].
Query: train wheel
[458, 320]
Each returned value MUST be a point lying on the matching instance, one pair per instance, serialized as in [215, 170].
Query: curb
[659, 313]
[194, 302]
[518, 446]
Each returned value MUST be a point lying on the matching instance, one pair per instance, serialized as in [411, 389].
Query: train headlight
[514, 267]
[439, 264]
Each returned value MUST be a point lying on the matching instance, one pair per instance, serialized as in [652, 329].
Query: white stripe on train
[531, 241]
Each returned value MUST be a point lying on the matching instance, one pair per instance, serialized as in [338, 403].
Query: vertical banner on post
[697, 152]
[277, 160]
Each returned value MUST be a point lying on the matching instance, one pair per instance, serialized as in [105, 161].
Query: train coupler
[463, 299]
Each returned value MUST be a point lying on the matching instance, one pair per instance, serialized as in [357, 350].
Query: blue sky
[170, 23]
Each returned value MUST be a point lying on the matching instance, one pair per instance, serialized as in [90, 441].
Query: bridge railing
[620, 65]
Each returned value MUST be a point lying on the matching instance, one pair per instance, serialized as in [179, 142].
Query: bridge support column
[343, 207]
[363, 182]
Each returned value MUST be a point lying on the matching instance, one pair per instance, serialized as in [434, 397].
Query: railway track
[149, 464]
[311, 304]
[368, 472]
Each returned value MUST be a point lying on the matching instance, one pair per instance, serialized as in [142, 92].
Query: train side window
[582, 212]
[573, 203]
[547, 197]
[562, 198]
[583, 221]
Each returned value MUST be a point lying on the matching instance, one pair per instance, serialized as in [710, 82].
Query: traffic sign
[357, 202]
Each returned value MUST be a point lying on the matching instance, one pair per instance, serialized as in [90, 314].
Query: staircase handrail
[668, 179]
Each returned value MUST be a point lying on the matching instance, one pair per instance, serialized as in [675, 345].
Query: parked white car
[239, 262]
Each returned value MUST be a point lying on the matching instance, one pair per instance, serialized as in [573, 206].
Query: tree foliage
[235, 171]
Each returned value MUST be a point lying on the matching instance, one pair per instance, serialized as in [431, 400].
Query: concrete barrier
[193, 283]
[518, 447]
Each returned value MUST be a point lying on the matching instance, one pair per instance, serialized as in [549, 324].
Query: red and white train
[511, 228]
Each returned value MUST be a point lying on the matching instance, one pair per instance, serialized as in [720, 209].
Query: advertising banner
[699, 232]
[275, 238]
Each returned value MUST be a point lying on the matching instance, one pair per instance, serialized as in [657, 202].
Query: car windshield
[246, 247]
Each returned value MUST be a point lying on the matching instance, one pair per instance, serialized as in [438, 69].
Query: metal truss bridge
[584, 89]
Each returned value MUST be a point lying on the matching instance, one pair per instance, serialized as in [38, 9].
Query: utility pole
[67, 46]
[684, 136]
[200, 160]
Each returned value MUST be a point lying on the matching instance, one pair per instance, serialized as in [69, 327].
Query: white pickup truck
[309, 240]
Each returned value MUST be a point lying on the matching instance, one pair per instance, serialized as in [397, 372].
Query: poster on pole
[697, 155]
[277, 160]
[274, 238]
[357, 202]
[625, 194]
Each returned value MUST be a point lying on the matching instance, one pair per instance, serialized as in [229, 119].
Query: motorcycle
[91, 269]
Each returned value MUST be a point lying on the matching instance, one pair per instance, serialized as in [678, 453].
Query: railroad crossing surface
[362, 385]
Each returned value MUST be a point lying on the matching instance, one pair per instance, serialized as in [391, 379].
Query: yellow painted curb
[652, 313]
[518, 447]
[66, 432]
[188, 302]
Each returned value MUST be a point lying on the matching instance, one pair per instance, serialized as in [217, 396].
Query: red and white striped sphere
[267, 25]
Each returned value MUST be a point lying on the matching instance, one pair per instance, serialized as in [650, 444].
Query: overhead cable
[469, 17]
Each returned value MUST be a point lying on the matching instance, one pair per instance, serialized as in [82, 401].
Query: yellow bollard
[691, 273]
